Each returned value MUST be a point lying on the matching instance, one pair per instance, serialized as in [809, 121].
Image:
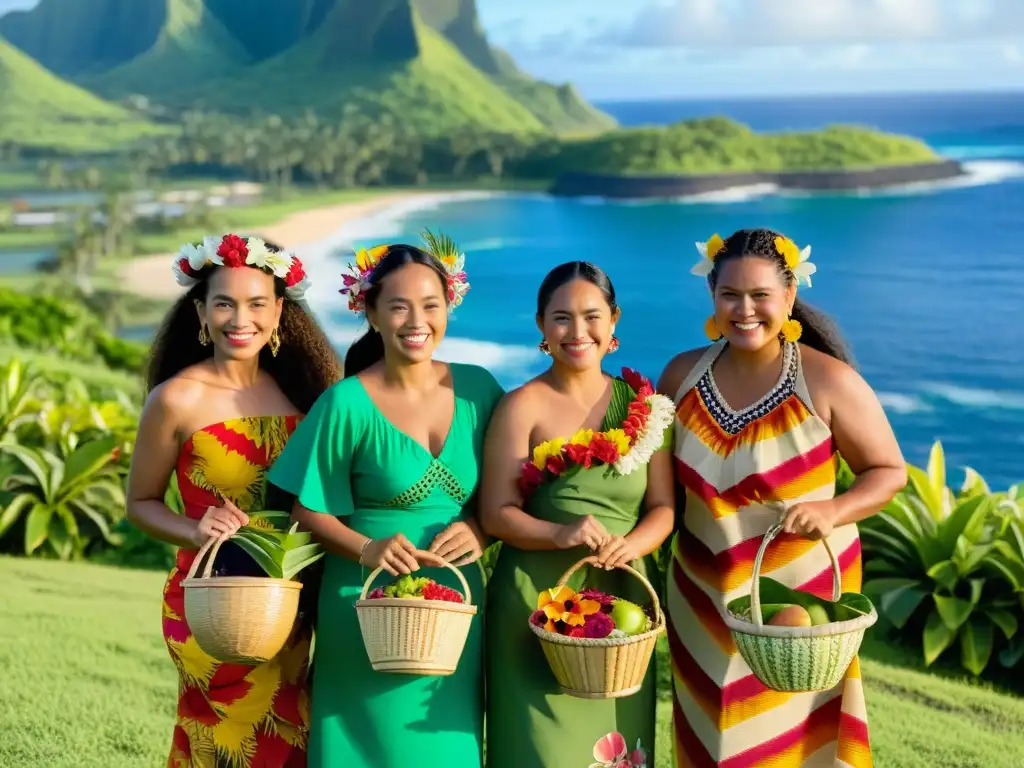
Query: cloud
[710, 23]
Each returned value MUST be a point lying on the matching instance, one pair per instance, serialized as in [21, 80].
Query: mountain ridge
[182, 51]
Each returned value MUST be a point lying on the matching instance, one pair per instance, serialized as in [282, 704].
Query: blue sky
[642, 49]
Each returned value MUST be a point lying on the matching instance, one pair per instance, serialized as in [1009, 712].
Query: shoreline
[310, 234]
[583, 184]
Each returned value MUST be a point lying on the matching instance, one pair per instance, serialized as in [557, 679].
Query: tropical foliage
[949, 566]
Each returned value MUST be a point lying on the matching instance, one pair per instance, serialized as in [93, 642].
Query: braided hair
[819, 331]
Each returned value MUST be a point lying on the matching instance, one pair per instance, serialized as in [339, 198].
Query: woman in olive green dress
[384, 468]
[550, 495]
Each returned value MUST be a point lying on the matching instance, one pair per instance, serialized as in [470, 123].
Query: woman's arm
[501, 502]
[156, 451]
[864, 439]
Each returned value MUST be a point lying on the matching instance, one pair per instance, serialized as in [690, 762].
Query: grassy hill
[85, 679]
[408, 57]
[721, 145]
[37, 108]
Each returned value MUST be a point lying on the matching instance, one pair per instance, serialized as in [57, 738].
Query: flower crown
[797, 260]
[359, 277]
[234, 251]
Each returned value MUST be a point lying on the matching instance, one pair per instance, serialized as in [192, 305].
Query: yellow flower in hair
[715, 246]
[787, 250]
[708, 251]
[797, 260]
[368, 259]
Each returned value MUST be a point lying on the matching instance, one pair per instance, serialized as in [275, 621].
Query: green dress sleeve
[316, 463]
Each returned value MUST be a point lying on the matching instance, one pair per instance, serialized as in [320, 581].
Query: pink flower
[609, 750]
[598, 625]
[604, 599]
[376, 594]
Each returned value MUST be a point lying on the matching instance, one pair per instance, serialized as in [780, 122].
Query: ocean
[925, 281]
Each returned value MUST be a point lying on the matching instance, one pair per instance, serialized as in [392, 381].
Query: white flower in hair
[259, 255]
[703, 267]
[804, 269]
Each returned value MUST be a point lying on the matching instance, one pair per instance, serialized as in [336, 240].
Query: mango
[769, 610]
[791, 616]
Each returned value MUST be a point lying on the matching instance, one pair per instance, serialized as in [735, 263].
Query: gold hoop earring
[204, 336]
[544, 347]
[275, 342]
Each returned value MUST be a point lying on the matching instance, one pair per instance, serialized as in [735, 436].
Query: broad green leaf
[97, 517]
[975, 556]
[936, 638]
[876, 540]
[937, 467]
[59, 538]
[1005, 620]
[953, 610]
[36, 527]
[1013, 652]
[263, 558]
[296, 560]
[953, 526]
[974, 484]
[945, 575]
[89, 458]
[922, 486]
[33, 461]
[900, 603]
[976, 638]
[13, 510]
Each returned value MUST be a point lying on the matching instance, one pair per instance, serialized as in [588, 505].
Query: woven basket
[601, 668]
[238, 619]
[414, 637]
[796, 659]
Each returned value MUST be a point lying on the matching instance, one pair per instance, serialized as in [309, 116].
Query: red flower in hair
[233, 250]
[183, 265]
[295, 274]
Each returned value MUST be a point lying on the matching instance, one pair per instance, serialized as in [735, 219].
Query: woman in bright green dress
[576, 463]
[384, 469]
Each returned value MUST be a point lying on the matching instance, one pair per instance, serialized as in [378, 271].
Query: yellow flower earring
[711, 329]
[791, 330]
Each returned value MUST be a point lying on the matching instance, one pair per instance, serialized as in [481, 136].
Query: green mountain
[427, 61]
[37, 108]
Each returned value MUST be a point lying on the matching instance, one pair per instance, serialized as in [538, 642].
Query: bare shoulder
[678, 368]
[179, 394]
[523, 399]
[832, 382]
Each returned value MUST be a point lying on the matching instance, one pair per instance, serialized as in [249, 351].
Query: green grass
[84, 675]
[38, 109]
[721, 145]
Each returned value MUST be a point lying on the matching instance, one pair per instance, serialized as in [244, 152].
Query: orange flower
[562, 604]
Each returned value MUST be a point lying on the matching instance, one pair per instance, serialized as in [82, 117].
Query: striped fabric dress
[777, 449]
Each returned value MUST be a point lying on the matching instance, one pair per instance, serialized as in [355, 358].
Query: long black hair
[564, 274]
[305, 366]
[819, 330]
[369, 348]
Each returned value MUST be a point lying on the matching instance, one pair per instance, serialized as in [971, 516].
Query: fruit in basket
[791, 616]
[629, 617]
[412, 588]
[818, 615]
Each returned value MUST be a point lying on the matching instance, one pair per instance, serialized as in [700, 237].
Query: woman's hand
[811, 519]
[616, 551]
[397, 555]
[587, 531]
[459, 544]
[219, 523]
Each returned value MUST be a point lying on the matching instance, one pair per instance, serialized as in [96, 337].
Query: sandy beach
[150, 276]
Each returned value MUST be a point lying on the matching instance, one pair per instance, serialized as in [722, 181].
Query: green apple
[629, 617]
[819, 615]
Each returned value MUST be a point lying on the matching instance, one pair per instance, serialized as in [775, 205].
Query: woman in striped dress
[760, 419]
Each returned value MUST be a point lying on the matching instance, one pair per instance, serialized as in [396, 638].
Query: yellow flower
[368, 259]
[583, 437]
[619, 439]
[545, 450]
[787, 250]
[562, 604]
[714, 246]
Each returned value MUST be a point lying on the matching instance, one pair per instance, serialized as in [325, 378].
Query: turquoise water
[925, 283]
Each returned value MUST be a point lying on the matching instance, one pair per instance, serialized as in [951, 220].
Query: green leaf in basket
[264, 553]
[851, 605]
[298, 558]
[775, 595]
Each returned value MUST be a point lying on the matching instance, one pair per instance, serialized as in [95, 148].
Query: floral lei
[234, 251]
[625, 448]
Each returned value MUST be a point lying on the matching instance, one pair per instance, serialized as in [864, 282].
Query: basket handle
[209, 550]
[465, 584]
[755, 584]
[592, 559]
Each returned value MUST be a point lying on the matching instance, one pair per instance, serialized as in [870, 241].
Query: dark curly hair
[819, 331]
[305, 366]
[369, 348]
